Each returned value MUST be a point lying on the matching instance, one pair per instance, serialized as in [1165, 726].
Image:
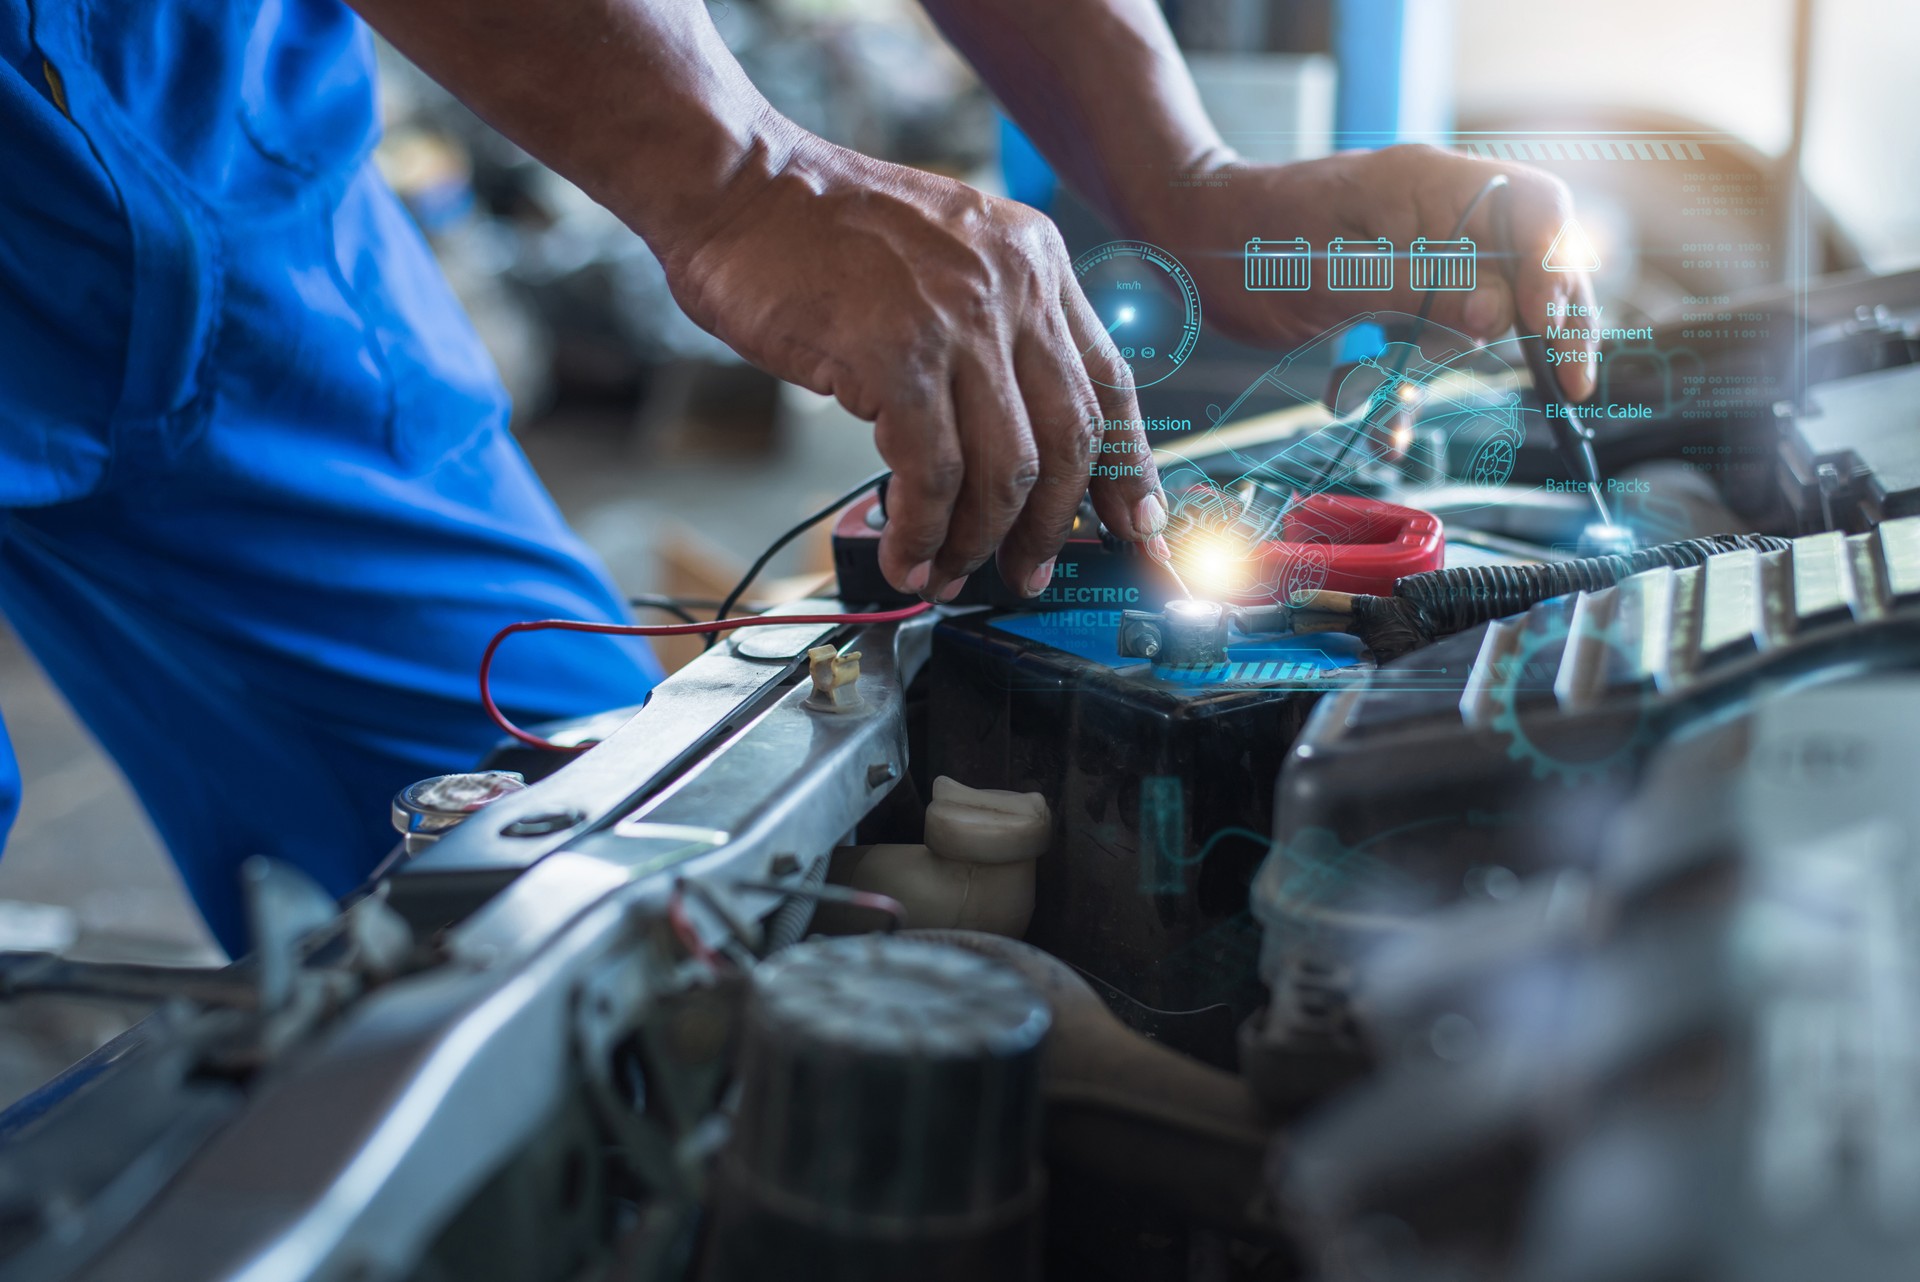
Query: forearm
[637, 101]
[1100, 87]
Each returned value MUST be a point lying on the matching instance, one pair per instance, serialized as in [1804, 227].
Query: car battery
[1093, 569]
[1343, 542]
[1161, 787]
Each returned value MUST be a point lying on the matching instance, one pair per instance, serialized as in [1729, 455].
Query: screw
[784, 864]
[881, 772]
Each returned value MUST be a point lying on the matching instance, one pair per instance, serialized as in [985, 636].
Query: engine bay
[1416, 879]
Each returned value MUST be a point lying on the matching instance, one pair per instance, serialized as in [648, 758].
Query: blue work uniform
[259, 507]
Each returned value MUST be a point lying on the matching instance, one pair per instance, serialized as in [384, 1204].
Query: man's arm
[641, 103]
[949, 319]
[1100, 87]
[1103, 91]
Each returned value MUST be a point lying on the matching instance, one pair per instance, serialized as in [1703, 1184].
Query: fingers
[1549, 302]
[1579, 375]
[1001, 467]
[1062, 408]
[1488, 310]
[918, 437]
[1126, 491]
[995, 444]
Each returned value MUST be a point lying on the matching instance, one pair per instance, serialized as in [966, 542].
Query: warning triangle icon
[1571, 251]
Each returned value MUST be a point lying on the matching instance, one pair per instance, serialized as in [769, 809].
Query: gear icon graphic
[1545, 745]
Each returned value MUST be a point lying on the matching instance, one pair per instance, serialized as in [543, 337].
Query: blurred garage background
[646, 428]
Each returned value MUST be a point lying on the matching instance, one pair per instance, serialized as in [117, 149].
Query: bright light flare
[1401, 439]
[1211, 564]
[1602, 540]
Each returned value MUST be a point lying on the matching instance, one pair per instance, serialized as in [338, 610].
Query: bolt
[542, 824]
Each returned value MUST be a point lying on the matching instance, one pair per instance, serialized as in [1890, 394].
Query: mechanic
[262, 507]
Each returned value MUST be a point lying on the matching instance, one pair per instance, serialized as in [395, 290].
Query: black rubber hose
[1441, 602]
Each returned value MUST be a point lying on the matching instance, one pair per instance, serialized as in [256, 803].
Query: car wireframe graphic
[1377, 417]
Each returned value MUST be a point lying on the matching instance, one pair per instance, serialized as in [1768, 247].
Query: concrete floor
[82, 844]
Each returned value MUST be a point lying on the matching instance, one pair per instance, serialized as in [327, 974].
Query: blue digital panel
[1093, 635]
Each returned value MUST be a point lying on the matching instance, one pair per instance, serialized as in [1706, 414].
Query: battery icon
[1360, 264]
[1442, 265]
[1279, 264]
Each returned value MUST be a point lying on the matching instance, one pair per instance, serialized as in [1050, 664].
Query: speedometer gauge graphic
[1147, 302]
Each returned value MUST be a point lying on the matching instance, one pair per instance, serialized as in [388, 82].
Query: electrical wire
[1496, 183]
[685, 931]
[652, 630]
[1493, 184]
[828, 893]
[773, 549]
[666, 605]
[1464, 596]
[681, 607]
[788, 923]
[1438, 603]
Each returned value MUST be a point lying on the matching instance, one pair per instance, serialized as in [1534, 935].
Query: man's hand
[1399, 193]
[952, 321]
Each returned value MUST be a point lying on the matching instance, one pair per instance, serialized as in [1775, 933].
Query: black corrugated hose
[1428, 606]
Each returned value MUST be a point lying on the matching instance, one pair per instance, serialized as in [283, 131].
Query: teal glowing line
[1186, 861]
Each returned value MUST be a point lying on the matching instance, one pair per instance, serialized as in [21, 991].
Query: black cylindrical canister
[889, 1120]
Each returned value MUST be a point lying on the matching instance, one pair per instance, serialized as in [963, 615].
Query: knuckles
[1017, 480]
[940, 474]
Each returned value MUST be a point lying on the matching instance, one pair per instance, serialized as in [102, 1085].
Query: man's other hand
[1399, 193]
[952, 321]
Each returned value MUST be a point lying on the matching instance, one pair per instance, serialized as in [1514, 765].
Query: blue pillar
[1029, 178]
[1395, 60]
